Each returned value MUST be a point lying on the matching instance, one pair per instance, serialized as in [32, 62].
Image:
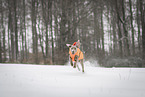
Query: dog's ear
[69, 45]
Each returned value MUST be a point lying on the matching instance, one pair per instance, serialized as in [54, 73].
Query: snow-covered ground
[17, 80]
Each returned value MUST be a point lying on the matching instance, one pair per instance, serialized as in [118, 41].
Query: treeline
[36, 31]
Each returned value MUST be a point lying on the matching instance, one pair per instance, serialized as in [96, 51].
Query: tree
[132, 28]
[97, 24]
[0, 50]
[142, 11]
[138, 24]
[11, 29]
[123, 21]
[34, 30]
[2, 35]
[16, 28]
[119, 29]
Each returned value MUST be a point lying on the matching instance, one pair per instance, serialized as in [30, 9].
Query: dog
[75, 56]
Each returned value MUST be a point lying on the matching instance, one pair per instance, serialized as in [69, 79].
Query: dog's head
[73, 48]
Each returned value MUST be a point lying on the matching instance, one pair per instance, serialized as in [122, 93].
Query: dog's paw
[74, 66]
[83, 71]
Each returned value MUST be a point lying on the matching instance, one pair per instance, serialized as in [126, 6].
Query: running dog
[75, 56]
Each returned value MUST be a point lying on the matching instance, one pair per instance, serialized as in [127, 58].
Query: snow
[18, 80]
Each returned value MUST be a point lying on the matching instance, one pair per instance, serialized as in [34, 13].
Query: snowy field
[64, 81]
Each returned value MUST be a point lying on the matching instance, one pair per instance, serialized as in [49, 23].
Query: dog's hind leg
[78, 67]
[82, 63]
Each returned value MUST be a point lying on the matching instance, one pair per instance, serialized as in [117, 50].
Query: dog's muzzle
[73, 52]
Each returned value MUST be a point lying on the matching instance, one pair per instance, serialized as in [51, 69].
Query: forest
[37, 31]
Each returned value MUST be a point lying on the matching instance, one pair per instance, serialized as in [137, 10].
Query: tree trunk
[138, 26]
[16, 30]
[142, 11]
[34, 31]
[63, 33]
[119, 30]
[114, 34]
[11, 26]
[96, 31]
[56, 36]
[24, 20]
[22, 44]
[132, 28]
[9, 23]
[3, 33]
[102, 33]
[127, 49]
[41, 41]
[0, 50]
[52, 41]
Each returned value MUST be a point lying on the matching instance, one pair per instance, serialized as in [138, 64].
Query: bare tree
[34, 5]
[142, 11]
[132, 28]
[54, 23]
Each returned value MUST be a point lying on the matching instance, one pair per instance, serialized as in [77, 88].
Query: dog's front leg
[74, 64]
[76, 60]
[70, 59]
